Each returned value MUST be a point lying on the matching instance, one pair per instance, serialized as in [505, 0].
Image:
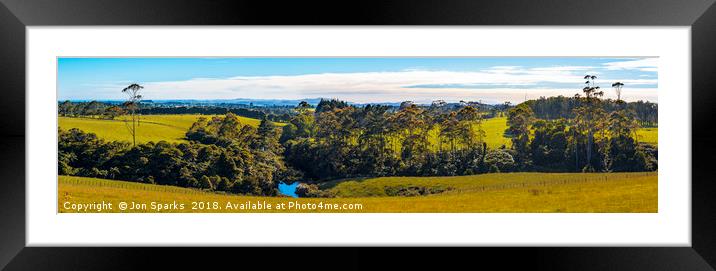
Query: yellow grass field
[648, 135]
[171, 128]
[495, 132]
[487, 193]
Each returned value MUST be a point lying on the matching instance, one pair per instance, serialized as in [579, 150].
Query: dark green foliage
[329, 105]
[92, 109]
[205, 183]
[548, 148]
[560, 107]
[300, 126]
[311, 191]
[499, 161]
[412, 191]
[519, 122]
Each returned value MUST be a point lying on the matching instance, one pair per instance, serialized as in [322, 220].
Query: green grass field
[171, 128]
[500, 192]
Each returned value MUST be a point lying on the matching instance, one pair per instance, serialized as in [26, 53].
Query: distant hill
[263, 102]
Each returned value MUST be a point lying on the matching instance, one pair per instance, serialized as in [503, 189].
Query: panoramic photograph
[357, 135]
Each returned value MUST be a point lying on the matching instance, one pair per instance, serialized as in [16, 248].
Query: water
[288, 189]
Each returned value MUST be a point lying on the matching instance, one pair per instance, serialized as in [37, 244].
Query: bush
[65, 169]
[205, 183]
[311, 191]
[411, 191]
[223, 184]
[499, 161]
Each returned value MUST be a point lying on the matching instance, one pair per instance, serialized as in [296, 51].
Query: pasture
[648, 135]
[495, 132]
[487, 193]
[170, 128]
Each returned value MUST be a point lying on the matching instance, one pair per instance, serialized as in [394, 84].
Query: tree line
[551, 108]
[338, 140]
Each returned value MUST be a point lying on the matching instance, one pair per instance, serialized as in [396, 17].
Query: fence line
[570, 180]
[128, 185]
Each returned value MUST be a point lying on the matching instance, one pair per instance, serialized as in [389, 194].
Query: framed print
[463, 124]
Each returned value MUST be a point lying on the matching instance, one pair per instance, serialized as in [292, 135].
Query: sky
[359, 80]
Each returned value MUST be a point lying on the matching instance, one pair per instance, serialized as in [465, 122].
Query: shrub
[205, 183]
[311, 191]
[499, 161]
[411, 191]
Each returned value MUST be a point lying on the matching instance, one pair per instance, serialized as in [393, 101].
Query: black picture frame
[700, 15]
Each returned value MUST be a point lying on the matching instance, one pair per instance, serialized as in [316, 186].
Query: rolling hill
[171, 128]
[498, 192]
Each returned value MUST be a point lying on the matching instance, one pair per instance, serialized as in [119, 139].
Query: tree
[303, 106]
[267, 137]
[549, 145]
[618, 89]
[412, 123]
[328, 105]
[470, 126]
[621, 152]
[591, 90]
[299, 126]
[588, 112]
[519, 121]
[499, 161]
[449, 129]
[113, 112]
[132, 105]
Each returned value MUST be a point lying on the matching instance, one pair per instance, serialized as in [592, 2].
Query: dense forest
[335, 139]
[563, 107]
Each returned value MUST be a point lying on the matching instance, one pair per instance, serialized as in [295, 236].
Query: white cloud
[383, 86]
[367, 87]
[495, 84]
[505, 69]
[564, 68]
[646, 64]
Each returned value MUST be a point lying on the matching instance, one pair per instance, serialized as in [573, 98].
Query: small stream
[288, 189]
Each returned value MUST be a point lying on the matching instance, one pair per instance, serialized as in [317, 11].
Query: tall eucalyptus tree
[132, 106]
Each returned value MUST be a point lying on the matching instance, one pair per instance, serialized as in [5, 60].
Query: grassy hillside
[502, 192]
[648, 135]
[495, 132]
[171, 128]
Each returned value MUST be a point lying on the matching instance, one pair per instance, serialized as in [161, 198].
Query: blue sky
[488, 79]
